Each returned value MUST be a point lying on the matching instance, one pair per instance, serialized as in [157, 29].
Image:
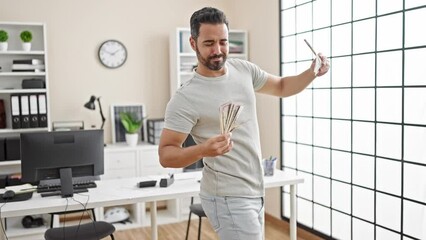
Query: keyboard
[55, 188]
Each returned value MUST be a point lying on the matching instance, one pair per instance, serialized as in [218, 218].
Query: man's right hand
[217, 145]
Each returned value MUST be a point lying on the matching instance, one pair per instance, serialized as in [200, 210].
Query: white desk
[124, 191]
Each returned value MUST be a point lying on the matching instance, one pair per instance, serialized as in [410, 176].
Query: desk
[124, 191]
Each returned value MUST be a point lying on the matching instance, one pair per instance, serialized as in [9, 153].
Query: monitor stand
[67, 189]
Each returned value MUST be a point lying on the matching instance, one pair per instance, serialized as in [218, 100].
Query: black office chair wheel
[87, 231]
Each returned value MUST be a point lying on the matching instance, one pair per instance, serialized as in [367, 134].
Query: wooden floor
[177, 231]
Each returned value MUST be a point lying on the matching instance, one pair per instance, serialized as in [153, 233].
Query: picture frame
[117, 130]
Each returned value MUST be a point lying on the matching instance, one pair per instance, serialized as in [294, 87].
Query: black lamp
[91, 105]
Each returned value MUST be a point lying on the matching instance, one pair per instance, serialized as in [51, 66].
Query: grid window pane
[389, 105]
[304, 17]
[341, 11]
[305, 190]
[364, 34]
[303, 52]
[388, 141]
[413, 35]
[289, 153]
[415, 105]
[363, 170]
[289, 125]
[414, 3]
[363, 137]
[341, 39]
[322, 103]
[341, 103]
[286, 208]
[322, 219]
[363, 203]
[364, 70]
[289, 105]
[388, 176]
[322, 161]
[415, 182]
[287, 4]
[384, 234]
[341, 72]
[362, 230]
[389, 32]
[363, 104]
[341, 166]
[414, 144]
[304, 212]
[304, 130]
[304, 103]
[288, 24]
[414, 219]
[341, 135]
[388, 211]
[341, 196]
[289, 69]
[387, 6]
[321, 13]
[322, 191]
[288, 50]
[363, 9]
[341, 226]
[414, 67]
[322, 132]
[321, 41]
[389, 68]
[304, 157]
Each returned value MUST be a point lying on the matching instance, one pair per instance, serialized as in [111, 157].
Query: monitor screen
[44, 154]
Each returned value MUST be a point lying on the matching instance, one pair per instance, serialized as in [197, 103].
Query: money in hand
[229, 113]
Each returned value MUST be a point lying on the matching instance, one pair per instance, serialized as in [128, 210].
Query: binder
[42, 110]
[34, 111]
[25, 112]
[16, 111]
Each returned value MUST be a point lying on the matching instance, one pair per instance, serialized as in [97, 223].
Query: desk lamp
[91, 105]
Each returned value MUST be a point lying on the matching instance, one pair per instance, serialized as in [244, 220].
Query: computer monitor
[62, 155]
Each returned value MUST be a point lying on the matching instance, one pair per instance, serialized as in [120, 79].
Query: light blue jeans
[235, 218]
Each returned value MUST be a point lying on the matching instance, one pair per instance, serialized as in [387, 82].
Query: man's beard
[212, 65]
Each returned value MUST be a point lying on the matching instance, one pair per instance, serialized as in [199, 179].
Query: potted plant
[132, 126]
[3, 40]
[26, 37]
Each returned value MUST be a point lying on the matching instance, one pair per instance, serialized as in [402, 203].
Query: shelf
[20, 52]
[41, 90]
[21, 130]
[19, 74]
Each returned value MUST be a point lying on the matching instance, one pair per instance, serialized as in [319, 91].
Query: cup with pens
[269, 165]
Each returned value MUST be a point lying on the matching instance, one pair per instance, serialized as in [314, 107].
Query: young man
[232, 185]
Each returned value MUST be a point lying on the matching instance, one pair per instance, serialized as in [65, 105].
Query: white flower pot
[26, 46]
[3, 46]
[132, 139]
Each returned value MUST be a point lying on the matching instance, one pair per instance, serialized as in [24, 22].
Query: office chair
[197, 209]
[88, 231]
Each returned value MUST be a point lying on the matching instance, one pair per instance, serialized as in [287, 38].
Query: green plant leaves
[26, 36]
[130, 123]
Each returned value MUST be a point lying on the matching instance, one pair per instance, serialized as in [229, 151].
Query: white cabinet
[123, 161]
[183, 59]
[12, 75]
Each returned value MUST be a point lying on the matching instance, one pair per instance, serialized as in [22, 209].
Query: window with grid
[358, 134]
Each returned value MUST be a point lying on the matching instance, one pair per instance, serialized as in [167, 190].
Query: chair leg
[187, 227]
[199, 228]
[112, 236]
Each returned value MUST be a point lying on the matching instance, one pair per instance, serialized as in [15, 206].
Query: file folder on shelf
[34, 111]
[15, 111]
[42, 110]
[25, 112]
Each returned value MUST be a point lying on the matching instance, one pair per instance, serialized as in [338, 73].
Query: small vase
[26, 46]
[132, 139]
[3, 46]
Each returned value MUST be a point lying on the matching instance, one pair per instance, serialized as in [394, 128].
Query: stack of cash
[229, 113]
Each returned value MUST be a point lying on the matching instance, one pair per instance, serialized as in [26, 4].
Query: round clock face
[112, 54]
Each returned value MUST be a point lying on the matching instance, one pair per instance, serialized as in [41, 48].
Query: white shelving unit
[183, 58]
[11, 82]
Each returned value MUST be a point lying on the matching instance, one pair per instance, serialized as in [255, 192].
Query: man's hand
[325, 65]
[217, 145]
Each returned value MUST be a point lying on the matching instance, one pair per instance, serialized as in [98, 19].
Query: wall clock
[112, 54]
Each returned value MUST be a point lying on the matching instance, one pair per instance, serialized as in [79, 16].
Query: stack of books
[28, 65]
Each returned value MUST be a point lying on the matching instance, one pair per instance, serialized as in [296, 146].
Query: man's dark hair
[206, 15]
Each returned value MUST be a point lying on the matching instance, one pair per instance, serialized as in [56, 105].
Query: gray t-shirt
[194, 109]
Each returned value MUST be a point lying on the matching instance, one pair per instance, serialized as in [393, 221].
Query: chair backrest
[196, 166]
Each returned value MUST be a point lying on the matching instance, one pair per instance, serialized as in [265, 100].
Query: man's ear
[192, 41]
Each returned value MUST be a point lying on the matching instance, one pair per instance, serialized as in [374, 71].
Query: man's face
[212, 46]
